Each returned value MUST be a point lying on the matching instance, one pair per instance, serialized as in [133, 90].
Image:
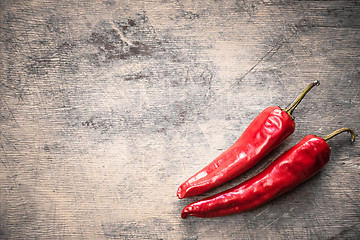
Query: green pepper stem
[333, 134]
[290, 109]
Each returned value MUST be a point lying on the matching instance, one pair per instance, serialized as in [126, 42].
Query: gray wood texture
[108, 106]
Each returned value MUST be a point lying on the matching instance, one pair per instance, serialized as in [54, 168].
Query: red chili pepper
[293, 167]
[265, 132]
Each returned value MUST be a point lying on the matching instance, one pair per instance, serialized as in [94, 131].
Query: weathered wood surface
[108, 106]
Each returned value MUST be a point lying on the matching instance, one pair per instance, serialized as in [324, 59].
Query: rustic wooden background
[108, 106]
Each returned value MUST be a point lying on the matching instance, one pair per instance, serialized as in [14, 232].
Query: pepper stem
[333, 134]
[290, 109]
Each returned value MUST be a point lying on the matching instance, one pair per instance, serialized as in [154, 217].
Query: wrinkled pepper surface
[271, 127]
[296, 165]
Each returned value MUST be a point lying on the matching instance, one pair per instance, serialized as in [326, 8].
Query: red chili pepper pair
[265, 132]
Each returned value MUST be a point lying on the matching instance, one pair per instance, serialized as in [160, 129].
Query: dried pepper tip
[292, 106]
[192, 210]
[336, 132]
[185, 213]
[180, 193]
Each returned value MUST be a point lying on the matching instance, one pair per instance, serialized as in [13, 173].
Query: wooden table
[108, 106]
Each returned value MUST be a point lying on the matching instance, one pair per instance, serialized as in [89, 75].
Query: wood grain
[108, 106]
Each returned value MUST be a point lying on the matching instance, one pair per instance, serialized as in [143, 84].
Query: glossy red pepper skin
[293, 167]
[264, 133]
